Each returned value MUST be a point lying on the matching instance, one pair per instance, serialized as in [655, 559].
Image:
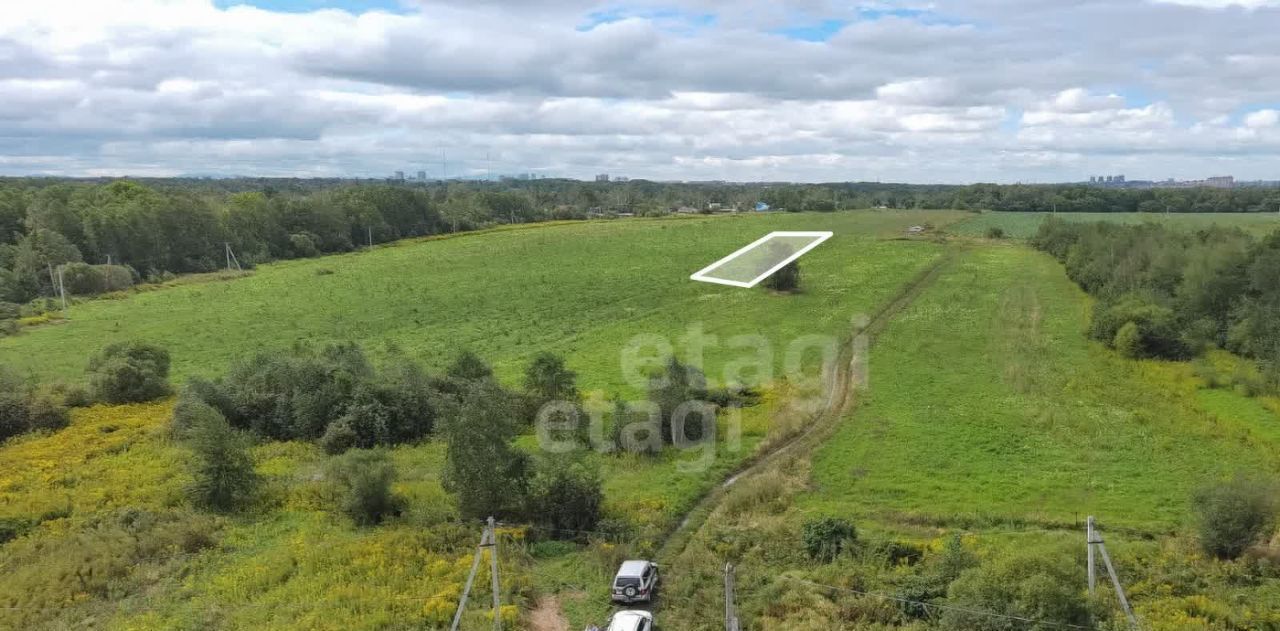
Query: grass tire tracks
[822, 424]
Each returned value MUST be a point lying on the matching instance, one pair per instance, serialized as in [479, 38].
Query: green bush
[129, 372]
[826, 538]
[190, 413]
[362, 478]
[339, 437]
[300, 393]
[565, 498]
[1042, 584]
[25, 409]
[223, 478]
[1232, 516]
[995, 232]
[87, 280]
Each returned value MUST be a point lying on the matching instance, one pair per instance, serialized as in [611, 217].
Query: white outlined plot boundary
[704, 274]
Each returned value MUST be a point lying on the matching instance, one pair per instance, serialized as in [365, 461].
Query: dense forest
[103, 234]
[1173, 294]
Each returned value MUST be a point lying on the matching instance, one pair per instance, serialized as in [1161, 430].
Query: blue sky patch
[305, 6]
[680, 21]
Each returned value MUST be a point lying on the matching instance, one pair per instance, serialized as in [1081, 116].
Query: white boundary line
[701, 275]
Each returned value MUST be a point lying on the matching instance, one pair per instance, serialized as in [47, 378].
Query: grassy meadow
[582, 290]
[989, 414]
[1023, 225]
[115, 477]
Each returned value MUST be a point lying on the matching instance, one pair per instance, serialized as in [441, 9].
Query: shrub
[565, 497]
[826, 538]
[303, 245]
[339, 437]
[46, 412]
[129, 372]
[223, 475]
[191, 413]
[1234, 515]
[1128, 341]
[24, 409]
[786, 279]
[995, 232]
[13, 405]
[85, 279]
[1040, 584]
[362, 478]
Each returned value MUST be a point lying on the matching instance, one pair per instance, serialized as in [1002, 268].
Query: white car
[631, 620]
[636, 582]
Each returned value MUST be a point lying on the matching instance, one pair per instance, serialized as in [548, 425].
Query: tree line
[1173, 294]
[147, 230]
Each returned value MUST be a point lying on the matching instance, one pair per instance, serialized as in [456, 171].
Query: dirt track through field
[841, 384]
[823, 423]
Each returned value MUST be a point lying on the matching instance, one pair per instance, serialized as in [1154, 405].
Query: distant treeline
[152, 228]
[1172, 294]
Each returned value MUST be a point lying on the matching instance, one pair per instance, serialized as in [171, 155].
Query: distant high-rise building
[603, 177]
[422, 176]
[400, 176]
[1221, 181]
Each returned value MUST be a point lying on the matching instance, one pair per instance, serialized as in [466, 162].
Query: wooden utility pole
[471, 578]
[1094, 538]
[62, 289]
[493, 573]
[730, 608]
[231, 257]
[1090, 539]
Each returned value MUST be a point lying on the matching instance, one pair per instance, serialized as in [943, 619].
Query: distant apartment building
[399, 177]
[1221, 181]
[422, 176]
[603, 177]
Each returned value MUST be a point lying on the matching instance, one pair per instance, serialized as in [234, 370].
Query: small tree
[1234, 515]
[546, 379]
[565, 497]
[995, 232]
[786, 279]
[826, 538]
[222, 476]
[468, 366]
[1128, 341]
[363, 480]
[482, 466]
[129, 372]
[677, 384]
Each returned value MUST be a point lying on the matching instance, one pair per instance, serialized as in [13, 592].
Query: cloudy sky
[811, 90]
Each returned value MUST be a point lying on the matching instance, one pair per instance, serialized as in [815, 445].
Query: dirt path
[823, 424]
[546, 616]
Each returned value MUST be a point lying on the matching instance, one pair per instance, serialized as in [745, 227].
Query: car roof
[633, 568]
[631, 615]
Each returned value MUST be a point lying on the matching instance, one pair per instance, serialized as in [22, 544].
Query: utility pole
[369, 230]
[231, 258]
[62, 287]
[1094, 538]
[493, 573]
[471, 578]
[730, 608]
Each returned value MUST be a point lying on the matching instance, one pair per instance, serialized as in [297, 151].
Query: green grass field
[1019, 225]
[583, 290]
[990, 414]
[987, 405]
